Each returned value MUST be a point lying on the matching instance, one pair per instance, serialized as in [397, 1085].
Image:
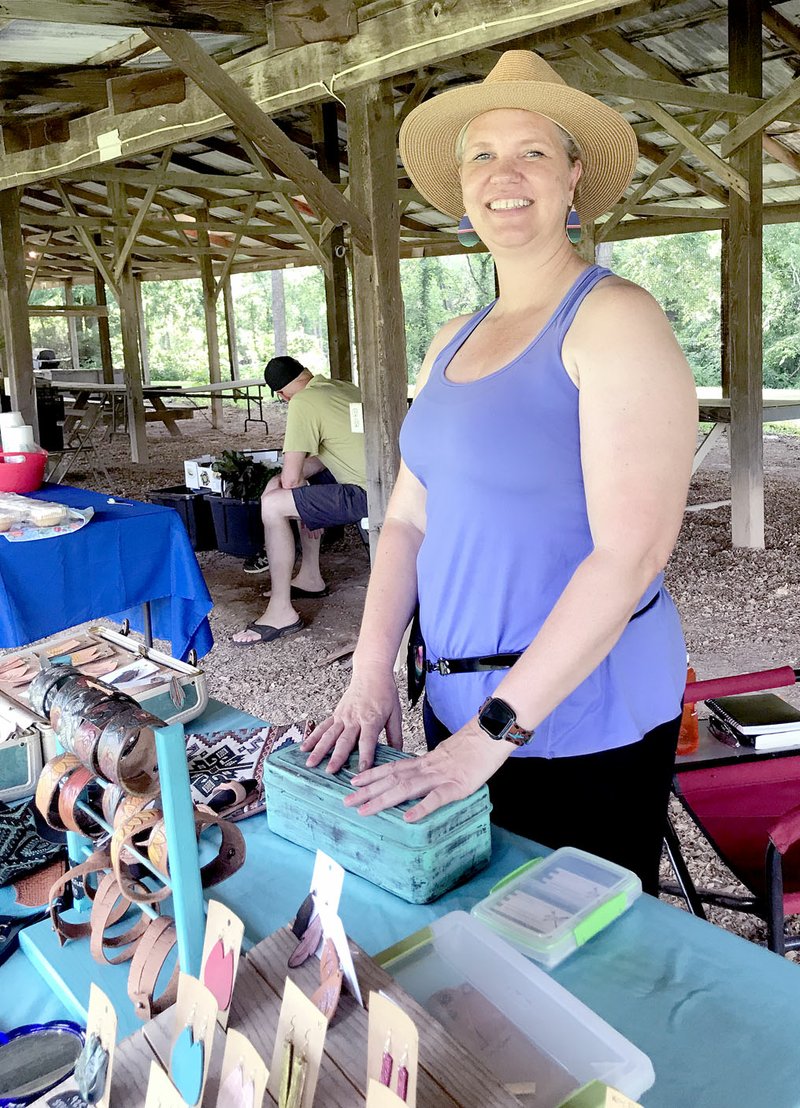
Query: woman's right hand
[370, 705]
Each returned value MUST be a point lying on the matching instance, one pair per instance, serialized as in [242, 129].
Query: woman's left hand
[455, 769]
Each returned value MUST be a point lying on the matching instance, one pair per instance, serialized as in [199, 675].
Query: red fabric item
[738, 683]
[739, 807]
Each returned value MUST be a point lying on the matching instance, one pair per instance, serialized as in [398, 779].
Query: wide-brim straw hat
[521, 79]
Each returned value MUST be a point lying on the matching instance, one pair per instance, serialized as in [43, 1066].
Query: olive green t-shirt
[318, 422]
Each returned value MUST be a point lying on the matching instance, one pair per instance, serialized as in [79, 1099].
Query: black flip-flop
[269, 634]
[299, 593]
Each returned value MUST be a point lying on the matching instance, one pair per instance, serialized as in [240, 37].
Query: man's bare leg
[277, 510]
[308, 575]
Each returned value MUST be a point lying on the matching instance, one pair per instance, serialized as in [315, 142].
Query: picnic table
[91, 401]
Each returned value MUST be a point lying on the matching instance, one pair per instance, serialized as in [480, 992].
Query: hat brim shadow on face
[607, 142]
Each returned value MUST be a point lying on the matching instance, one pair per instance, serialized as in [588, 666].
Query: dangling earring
[187, 1063]
[573, 227]
[467, 235]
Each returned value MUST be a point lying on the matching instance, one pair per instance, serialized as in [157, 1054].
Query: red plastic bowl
[24, 476]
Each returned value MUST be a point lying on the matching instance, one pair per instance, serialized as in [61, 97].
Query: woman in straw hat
[545, 466]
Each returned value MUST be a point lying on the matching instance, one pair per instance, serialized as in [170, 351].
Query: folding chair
[749, 811]
[750, 814]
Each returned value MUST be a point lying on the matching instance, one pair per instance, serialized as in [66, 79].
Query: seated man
[322, 484]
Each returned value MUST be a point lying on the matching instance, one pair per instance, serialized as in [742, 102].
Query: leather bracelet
[126, 752]
[65, 930]
[85, 737]
[66, 693]
[230, 856]
[151, 953]
[113, 795]
[110, 905]
[131, 805]
[76, 785]
[47, 787]
[46, 684]
[128, 830]
[71, 713]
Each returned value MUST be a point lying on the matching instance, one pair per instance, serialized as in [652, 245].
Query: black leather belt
[484, 662]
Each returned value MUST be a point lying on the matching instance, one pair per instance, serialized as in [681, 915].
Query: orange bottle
[689, 737]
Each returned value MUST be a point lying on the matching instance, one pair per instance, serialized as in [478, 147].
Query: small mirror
[33, 1063]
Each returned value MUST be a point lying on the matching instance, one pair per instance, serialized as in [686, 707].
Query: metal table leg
[148, 624]
[679, 868]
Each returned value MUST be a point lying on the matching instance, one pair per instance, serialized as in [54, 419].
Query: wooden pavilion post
[744, 289]
[143, 349]
[103, 331]
[129, 325]
[725, 306]
[230, 328]
[72, 325]
[210, 317]
[14, 294]
[377, 293]
[326, 144]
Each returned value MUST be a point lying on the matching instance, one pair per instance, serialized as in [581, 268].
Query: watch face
[497, 717]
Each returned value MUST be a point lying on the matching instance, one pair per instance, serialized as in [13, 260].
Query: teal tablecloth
[718, 1016]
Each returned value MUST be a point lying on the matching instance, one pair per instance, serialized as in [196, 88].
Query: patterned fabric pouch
[22, 848]
[226, 768]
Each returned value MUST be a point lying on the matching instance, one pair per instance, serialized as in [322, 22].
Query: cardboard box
[200, 476]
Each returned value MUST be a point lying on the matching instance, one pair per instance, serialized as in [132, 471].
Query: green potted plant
[237, 512]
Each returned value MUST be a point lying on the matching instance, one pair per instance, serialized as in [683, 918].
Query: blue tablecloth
[128, 554]
[719, 1017]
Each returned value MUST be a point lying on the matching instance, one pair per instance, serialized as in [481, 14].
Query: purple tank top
[507, 526]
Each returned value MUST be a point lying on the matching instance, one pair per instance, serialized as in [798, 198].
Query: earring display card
[193, 1038]
[379, 1096]
[220, 961]
[102, 1022]
[393, 1048]
[302, 1025]
[326, 882]
[244, 1074]
[161, 1093]
[333, 929]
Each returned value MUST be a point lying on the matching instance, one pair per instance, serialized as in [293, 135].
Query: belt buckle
[443, 666]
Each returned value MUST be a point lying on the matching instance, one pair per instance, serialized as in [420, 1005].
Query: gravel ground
[739, 607]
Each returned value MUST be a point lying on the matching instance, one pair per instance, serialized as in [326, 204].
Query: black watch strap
[514, 733]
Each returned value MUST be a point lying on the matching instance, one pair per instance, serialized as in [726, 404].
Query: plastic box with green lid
[416, 861]
[551, 906]
[537, 1038]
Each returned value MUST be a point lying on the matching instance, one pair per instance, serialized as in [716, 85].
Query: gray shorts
[326, 503]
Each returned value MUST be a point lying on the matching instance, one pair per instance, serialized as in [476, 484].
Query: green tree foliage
[682, 272]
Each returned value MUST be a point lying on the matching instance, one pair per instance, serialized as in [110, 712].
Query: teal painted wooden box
[415, 861]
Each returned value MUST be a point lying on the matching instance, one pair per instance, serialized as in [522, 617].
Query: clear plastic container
[551, 906]
[525, 1027]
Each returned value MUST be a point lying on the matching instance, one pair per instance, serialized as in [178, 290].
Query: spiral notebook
[756, 713]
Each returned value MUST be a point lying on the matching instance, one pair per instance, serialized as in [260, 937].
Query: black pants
[613, 804]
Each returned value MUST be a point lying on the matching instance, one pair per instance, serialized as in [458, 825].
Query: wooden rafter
[224, 16]
[138, 219]
[770, 111]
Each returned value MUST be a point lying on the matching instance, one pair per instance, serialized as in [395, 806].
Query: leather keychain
[151, 953]
[110, 905]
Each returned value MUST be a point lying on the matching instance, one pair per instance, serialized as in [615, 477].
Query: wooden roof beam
[261, 130]
[781, 27]
[232, 17]
[391, 42]
[771, 110]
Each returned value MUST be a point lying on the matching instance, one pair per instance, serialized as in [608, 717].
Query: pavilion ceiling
[88, 101]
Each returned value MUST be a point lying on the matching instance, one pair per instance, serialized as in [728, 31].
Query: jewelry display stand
[67, 969]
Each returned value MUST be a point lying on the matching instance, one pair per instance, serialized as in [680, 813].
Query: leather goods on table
[46, 684]
[126, 752]
[55, 772]
[80, 784]
[230, 856]
[152, 951]
[110, 904]
[137, 826]
[65, 929]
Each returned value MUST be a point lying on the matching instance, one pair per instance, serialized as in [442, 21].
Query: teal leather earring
[467, 234]
[573, 226]
[187, 1065]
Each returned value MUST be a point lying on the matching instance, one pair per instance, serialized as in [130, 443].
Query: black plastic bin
[237, 524]
[50, 411]
[192, 507]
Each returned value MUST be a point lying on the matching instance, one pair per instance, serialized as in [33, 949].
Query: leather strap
[230, 856]
[65, 930]
[46, 684]
[109, 906]
[131, 806]
[113, 797]
[131, 828]
[126, 752]
[66, 694]
[50, 780]
[151, 953]
[75, 786]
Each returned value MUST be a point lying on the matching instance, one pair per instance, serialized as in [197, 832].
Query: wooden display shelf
[448, 1076]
